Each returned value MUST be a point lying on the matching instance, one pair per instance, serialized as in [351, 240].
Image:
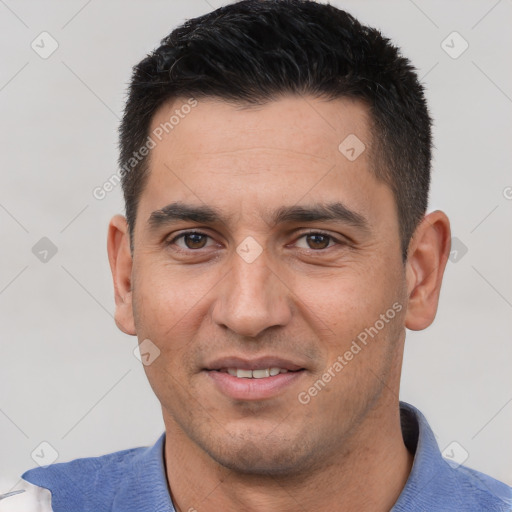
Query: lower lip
[253, 389]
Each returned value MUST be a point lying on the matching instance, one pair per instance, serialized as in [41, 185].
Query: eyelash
[184, 234]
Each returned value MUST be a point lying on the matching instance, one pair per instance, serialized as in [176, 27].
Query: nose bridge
[252, 297]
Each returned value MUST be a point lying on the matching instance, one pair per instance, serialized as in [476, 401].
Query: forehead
[299, 125]
[249, 161]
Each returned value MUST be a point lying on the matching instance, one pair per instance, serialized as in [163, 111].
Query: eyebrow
[204, 214]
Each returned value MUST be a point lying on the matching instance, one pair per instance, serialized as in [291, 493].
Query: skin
[303, 298]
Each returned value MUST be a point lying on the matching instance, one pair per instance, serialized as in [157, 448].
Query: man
[275, 158]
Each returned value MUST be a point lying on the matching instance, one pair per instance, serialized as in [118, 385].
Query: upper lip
[253, 364]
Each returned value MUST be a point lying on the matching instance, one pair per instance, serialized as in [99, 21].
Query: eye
[195, 240]
[318, 241]
[192, 240]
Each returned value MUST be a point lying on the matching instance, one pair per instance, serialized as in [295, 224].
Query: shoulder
[482, 490]
[124, 481]
[85, 483]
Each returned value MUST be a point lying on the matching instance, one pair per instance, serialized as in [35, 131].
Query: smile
[254, 374]
[259, 384]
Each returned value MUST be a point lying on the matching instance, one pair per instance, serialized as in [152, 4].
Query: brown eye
[192, 240]
[318, 241]
[195, 240]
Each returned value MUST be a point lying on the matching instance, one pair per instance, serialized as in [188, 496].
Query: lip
[253, 389]
[253, 364]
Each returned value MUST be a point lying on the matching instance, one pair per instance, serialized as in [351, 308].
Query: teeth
[256, 374]
[259, 374]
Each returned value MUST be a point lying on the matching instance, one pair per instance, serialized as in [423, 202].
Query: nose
[252, 298]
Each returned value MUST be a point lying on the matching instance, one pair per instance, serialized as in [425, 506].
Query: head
[294, 143]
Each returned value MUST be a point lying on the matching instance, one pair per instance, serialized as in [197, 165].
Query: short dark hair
[255, 51]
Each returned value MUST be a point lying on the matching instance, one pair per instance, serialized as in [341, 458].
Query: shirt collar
[436, 483]
[428, 465]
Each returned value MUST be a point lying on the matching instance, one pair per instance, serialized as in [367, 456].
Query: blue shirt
[135, 480]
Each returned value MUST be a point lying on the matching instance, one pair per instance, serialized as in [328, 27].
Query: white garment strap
[33, 499]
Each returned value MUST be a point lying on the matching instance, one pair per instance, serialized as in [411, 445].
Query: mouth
[257, 384]
[260, 373]
[254, 380]
[270, 363]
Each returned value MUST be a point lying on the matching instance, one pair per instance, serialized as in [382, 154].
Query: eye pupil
[318, 236]
[196, 242]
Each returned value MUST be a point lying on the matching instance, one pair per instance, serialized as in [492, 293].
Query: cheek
[357, 316]
[166, 296]
[346, 302]
[157, 313]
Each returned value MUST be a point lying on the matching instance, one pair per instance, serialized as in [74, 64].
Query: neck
[369, 475]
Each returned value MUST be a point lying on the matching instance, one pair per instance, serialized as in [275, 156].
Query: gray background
[69, 377]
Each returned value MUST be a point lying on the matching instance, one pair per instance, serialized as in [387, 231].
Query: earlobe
[428, 253]
[121, 263]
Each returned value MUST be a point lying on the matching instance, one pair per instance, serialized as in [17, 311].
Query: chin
[261, 457]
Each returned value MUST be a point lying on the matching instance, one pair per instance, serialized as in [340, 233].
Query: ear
[428, 253]
[120, 258]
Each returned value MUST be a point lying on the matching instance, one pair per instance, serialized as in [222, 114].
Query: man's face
[247, 287]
